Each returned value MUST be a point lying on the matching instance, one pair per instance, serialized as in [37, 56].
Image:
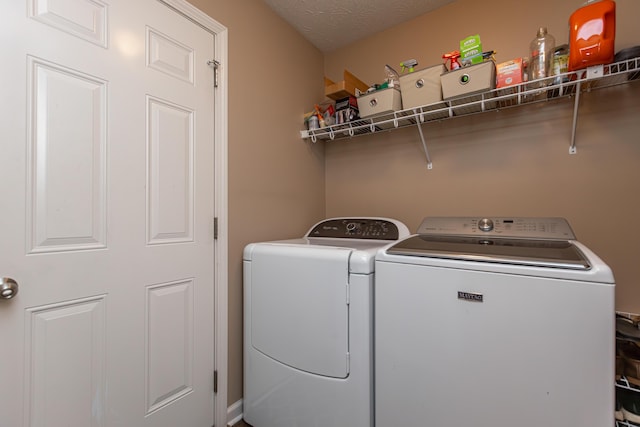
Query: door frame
[221, 199]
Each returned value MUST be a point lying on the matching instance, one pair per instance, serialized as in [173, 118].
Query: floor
[241, 424]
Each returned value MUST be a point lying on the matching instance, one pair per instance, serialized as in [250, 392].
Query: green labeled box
[471, 50]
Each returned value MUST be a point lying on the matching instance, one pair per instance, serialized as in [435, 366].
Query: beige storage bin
[382, 101]
[467, 85]
[422, 87]
[468, 80]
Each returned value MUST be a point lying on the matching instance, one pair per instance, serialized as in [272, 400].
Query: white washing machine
[493, 322]
[308, 338]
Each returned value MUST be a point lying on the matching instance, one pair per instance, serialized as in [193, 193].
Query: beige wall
[276, 181]
[512, 162]
[505, 26]
[508, 163]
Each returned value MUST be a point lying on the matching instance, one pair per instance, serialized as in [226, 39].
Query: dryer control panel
[356, 228]
[511, 227]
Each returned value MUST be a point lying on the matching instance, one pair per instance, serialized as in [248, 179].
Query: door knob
[8, 288]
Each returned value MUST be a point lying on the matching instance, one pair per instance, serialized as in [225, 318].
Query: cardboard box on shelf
[345, 88]
[509, 73]
[346, 109]
[471, 50]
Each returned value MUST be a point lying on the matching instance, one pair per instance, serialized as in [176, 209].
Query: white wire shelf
[565, 85]
[622, 383]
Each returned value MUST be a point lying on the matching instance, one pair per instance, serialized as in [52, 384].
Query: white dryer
[493, 322]
[308, 338]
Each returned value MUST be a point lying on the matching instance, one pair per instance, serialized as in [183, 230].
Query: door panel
[170, 178]
[107, 201]
[66, 162]
[169, 56]
[169, 341]
[86, 19]
[64, 340]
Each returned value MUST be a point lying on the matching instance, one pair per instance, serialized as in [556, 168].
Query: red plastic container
[592, 33]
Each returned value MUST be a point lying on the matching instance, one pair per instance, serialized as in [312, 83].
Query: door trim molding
[221, 42]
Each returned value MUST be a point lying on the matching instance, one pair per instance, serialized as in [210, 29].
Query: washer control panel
[356, 228]
[512, 227]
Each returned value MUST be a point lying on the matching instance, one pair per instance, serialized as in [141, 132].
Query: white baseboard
[234, 413]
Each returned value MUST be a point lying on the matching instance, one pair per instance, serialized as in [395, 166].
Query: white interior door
[107, 204]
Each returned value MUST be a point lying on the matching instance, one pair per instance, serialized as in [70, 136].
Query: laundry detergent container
[592, 32]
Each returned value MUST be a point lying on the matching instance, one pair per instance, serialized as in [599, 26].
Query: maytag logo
[469, 296]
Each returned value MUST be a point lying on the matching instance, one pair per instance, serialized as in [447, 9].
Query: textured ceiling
[332, 24]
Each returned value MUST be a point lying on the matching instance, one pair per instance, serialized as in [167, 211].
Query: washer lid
[530, 252]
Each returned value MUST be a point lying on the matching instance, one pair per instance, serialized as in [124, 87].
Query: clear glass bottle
[541, 57]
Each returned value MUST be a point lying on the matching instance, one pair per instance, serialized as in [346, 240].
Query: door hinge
[215, 228]
[216, 66]
[215, 381]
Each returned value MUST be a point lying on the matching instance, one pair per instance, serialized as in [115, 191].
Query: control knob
[485, 224]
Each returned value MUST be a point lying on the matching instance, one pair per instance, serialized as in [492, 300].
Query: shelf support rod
[572, 148]
[424, 145]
